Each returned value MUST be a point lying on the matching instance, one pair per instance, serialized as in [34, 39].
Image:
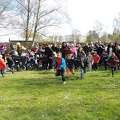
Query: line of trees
[33, 18]
[99, 34]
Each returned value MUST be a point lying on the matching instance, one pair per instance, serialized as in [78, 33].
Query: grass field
[39, 95]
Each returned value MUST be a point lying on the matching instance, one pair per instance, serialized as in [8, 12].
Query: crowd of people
[62, 57]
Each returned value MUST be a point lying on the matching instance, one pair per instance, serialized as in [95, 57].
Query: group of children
[91, 61]
[61, 64]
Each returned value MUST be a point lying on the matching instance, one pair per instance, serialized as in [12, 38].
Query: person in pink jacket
[96, 59]
[2, 66]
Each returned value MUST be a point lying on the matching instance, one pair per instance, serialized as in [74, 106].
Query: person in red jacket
[96, 59]
[2, 66]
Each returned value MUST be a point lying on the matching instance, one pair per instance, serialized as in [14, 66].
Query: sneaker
[3, 75]
[64, 82]
[24, 68]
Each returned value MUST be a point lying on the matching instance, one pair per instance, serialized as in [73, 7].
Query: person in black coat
[10, 63]
[86, 48]
[48, 54]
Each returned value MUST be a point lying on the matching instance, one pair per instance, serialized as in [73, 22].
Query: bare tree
[49, 16]
[28, 21]
[98, 27]
[116, 25]
[4, 7]
[36, 20]
[39, 16]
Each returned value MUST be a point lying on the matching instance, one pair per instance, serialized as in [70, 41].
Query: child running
[60, 67]
[2, 66]
[83, 64]
[113, 62]
[90, 61]
[10, 63]
[96, 59]
[70, 66]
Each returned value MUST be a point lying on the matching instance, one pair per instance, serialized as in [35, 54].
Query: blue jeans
[61, 72]
[11, 69]
[83, 70]
[119, 66]
[2, 72]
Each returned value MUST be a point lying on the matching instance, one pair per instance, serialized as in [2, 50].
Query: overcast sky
[83, 13]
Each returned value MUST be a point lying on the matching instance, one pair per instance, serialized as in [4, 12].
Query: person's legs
[50, 63]
[82, 74]
[2, 73]
[11, 69]
[63, 76]
[72, 70]
[84, 70]
[67, 72]
[112, 68]
[105, 65]
[57, 73]
[90, 66]
[94, 66]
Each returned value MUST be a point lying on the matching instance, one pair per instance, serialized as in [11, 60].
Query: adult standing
[110, 49]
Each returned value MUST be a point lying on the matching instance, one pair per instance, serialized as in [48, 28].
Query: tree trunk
[27, 24]
[37, 20]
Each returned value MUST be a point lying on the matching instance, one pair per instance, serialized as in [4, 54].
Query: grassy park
[39, 95]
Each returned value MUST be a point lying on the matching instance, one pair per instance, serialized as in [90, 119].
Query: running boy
[60, 67]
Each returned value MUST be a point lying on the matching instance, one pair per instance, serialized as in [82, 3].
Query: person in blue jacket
[104, 57]
[60, 66]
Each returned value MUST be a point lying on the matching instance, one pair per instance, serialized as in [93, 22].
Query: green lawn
[39, 95]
